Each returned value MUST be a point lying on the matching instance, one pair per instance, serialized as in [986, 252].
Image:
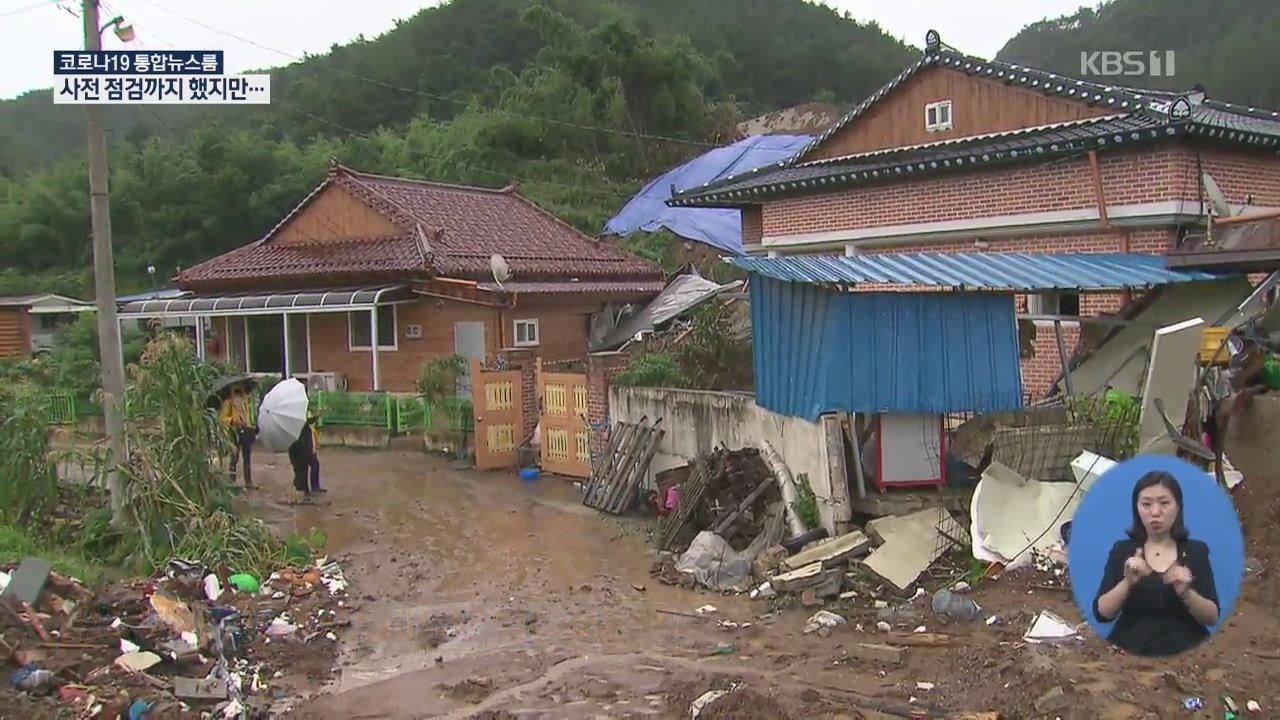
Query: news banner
[148, 77]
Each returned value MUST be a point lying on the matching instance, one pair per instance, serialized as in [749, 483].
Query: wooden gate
[566, 437]
[499, 412]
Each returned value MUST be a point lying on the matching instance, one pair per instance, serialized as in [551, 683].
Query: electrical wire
[27, 8]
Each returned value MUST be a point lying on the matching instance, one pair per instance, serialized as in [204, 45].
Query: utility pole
[104, 281]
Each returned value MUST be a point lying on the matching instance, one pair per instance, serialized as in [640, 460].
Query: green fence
[354, 409]
[60, 408]
[395, 413]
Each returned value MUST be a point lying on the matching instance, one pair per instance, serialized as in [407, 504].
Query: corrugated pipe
[787, 484]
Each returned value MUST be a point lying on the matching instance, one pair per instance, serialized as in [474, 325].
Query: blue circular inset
[1106, 512]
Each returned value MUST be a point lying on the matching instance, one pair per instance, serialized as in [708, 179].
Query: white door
[468, 341]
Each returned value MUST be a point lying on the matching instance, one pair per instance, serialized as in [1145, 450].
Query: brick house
[407, 262]
[961, 154]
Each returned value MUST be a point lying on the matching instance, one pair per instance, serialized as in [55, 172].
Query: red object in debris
[72, 692]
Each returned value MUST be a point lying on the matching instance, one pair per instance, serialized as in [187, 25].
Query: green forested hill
[1229, 46]
[767, 54]
[582, 100]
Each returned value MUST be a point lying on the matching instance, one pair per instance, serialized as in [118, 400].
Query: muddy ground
[485, 597]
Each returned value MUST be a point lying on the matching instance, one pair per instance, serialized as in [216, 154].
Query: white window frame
[1049, 303]
[537, 332]
[938, 108]
[395, 334]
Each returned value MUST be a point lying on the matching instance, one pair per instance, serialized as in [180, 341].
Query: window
[1066, 303]
[526, 332]
[937, 116]
[358, 328]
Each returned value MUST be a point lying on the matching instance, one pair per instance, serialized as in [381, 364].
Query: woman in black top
[1158, 581]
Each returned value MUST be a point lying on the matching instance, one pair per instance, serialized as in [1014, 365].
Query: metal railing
[399, 414]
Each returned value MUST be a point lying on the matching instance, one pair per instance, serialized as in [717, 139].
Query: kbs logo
[1154, 63]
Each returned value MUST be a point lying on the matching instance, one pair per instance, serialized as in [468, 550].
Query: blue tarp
[717, 227]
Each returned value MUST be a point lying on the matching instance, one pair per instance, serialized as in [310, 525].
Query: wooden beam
[1098, 193]
[1243, 218]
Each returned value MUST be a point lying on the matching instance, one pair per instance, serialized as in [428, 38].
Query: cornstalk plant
[28, 483]
[180, 505]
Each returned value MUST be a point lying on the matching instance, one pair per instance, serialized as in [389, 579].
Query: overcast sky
[265, 33]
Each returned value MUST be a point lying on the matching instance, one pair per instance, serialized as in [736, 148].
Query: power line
[26, 8]
[455, 101]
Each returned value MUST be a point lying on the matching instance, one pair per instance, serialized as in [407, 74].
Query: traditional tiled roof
[448, 230]
[1141, 115]
[367, 259]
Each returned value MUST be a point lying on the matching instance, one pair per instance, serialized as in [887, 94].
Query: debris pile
[617, 475]
[189, 641]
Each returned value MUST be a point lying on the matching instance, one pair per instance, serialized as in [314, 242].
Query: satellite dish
[501, 271]
[1219, 201]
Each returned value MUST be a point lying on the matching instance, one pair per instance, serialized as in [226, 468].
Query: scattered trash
[1192, 703]
[138, 661]
[884, 627]
[1253, 706]
[1048, 628]
[952, 605]
[823, 619]
[926, 686]
[994, 620]
[764, 592]
[713, 564]
[212, 588]
[722, 650]
[31, 678]
[706, 698]
[706, 609]
[244, 583]
[139, 709]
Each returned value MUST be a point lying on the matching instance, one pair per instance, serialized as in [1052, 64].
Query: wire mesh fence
[1039, 443]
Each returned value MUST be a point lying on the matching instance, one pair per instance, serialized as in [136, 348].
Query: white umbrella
[282, 415]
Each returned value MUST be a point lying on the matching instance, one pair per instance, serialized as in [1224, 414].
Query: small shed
[911, 332]
[15, 327]
[914, 339]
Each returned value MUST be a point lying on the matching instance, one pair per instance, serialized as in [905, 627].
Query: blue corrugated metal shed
[1011, 272]
[818, 351]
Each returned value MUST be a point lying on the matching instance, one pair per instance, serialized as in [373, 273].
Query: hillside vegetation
[582, 100]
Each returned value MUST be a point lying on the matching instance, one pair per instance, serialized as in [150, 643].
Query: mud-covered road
[484, 597]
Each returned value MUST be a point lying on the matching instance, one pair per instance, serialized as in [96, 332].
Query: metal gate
[499, 413]
[566, 437]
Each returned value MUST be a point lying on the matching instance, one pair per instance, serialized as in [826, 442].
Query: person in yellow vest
[235, 416]
[305, 460]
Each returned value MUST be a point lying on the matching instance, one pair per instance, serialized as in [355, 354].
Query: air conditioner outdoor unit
[326, 381]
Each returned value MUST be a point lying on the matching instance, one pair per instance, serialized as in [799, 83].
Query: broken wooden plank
[830, 553]
[28, 580]
[923, 639]
[798, 579]
[200, 688]
[878, 653]
[746, 503]
[911, 544]
[837, 470]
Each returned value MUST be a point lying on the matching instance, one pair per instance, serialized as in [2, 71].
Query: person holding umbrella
[234, 414]
[286, 424]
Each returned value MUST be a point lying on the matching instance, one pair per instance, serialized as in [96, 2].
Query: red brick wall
[563, 327]
[601, 368]
[1127, 177]
[752, 227]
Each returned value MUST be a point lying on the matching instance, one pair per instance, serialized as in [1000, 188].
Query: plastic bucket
[530, 474]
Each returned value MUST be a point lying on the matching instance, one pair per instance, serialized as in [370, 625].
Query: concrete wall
[697, 422]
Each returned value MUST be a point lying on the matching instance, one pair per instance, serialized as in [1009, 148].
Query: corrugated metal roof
[818, 351]
[1013, 272]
